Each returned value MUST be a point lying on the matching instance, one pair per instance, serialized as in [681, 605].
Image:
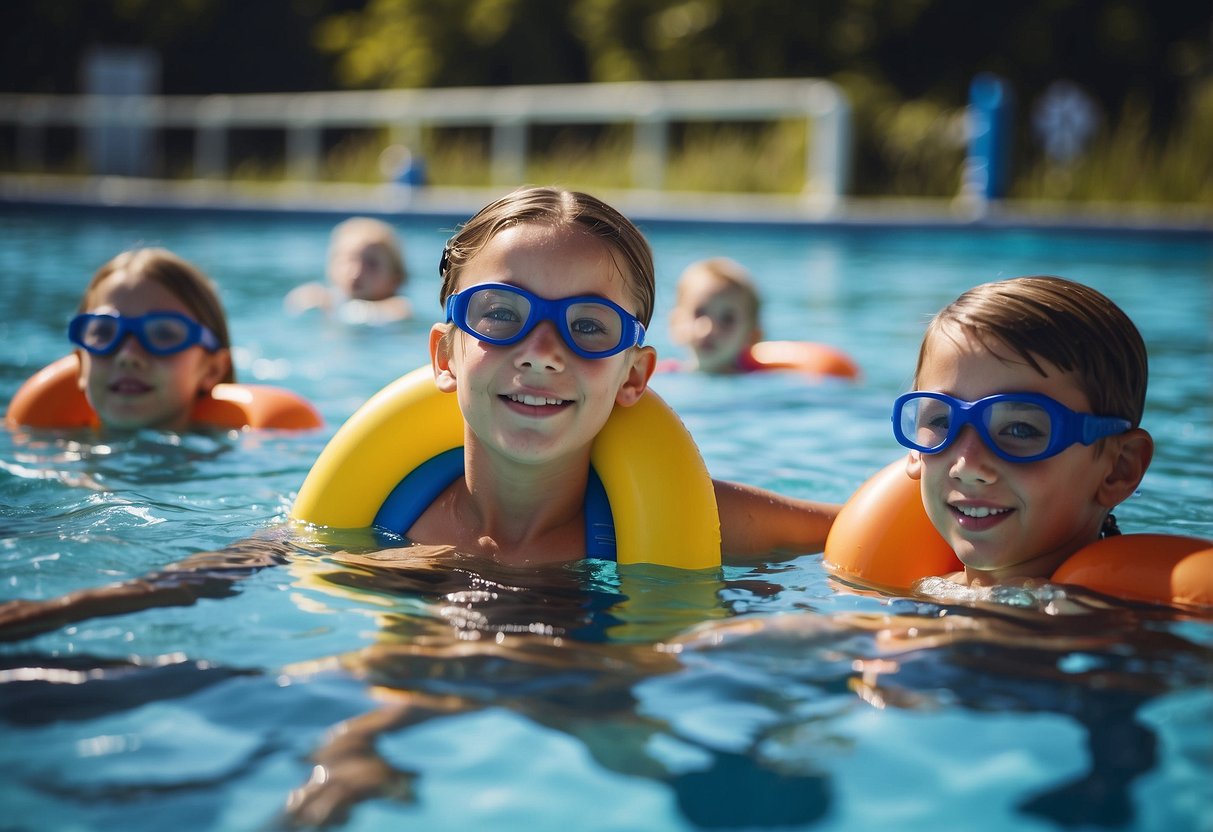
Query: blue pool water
[589, 697]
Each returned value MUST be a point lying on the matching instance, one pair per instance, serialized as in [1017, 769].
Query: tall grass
[762, 158]
[902, 149]
[1127, 163]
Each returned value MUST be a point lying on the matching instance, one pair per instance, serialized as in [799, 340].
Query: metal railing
[508, 111]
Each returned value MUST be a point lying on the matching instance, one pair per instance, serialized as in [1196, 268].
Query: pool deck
[341, 199]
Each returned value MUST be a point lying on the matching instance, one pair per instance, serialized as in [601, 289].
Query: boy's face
[536, 400]
[1006, 519]
[363, 270]
[132, 388]
[714, 320]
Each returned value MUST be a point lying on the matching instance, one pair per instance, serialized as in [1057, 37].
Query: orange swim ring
[801, 356]
[51, 398]
[883, 537]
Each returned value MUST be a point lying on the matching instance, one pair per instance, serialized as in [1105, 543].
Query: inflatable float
[882, 536]
[52, 398]
[402, 448]
[800, 356]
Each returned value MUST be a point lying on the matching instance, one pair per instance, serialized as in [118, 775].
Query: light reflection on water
[587, 696]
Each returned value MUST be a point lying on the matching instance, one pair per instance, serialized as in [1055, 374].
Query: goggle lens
[1019, 427]
[501, 314]
[160, 333]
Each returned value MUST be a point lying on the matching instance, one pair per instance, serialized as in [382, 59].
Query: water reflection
[746, 720]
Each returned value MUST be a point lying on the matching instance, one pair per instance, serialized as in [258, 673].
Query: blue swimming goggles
[160, 333]
[1019, 427]
[500, 314]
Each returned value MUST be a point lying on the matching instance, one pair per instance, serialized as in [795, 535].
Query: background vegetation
[1147, 67]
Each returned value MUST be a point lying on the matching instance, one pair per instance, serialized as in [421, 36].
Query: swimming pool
[798, 704]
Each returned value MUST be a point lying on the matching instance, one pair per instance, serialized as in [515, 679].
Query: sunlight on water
[586, 696]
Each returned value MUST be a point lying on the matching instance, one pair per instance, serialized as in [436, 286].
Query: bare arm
[306, 297]
[756, 523]
[348, 768]
[205, 575]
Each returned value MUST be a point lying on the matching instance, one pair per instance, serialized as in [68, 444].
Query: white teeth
[533, 400]
[980, 511]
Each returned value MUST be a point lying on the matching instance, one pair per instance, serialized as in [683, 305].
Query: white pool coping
[32, 190]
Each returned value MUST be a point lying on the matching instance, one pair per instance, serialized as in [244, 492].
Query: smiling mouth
[980, 511]
[129, 387]
[535, 401]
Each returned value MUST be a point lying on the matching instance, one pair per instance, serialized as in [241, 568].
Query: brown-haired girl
[152, 338]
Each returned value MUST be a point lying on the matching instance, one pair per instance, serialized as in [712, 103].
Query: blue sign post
[991, 118]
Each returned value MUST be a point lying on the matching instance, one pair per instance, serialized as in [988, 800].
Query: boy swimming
[1023, 427]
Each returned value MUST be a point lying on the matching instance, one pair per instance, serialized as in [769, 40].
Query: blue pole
[987, 169]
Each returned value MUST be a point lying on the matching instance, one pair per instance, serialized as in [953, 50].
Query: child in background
[152, 338]
[716, 316]
[1024, 424]
[366, 272]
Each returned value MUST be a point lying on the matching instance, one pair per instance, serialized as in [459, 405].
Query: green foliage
[911, 148]
[1127, 163]
[906, 66]
[767, 158]
[420, 43]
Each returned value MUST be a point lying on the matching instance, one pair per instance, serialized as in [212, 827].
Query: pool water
[588, 697]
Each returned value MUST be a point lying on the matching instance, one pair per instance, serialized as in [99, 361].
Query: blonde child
[716, 316]
[152, 338]
[1024, 424]
[365, 271]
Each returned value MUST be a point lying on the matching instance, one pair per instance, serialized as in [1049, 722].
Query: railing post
[649, 151]
[303, 151]
[828, 162]
[31, 135]
[303, 138]
[509, 151]
[210, 137]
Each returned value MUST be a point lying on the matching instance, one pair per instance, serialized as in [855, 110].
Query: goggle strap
[1095, 428]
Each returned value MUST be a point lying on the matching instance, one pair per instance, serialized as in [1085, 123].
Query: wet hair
[1065, 323]
[369, 230]
[556, 208]
[185, 281]
[734, 275]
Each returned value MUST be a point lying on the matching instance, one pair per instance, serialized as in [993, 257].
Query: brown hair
[180, 277]
[1065, 323]
[556, 208]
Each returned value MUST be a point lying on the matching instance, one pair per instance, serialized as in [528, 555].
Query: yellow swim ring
[661, 497]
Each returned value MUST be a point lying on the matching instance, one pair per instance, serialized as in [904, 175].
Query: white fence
[509, 111]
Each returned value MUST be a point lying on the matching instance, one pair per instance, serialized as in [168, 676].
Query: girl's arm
[205, 575]
[756, 523]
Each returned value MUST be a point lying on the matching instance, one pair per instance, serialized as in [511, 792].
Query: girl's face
[536, 401]
[713, 319]
[1006, 519]
[131, 388]
[363, 270]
